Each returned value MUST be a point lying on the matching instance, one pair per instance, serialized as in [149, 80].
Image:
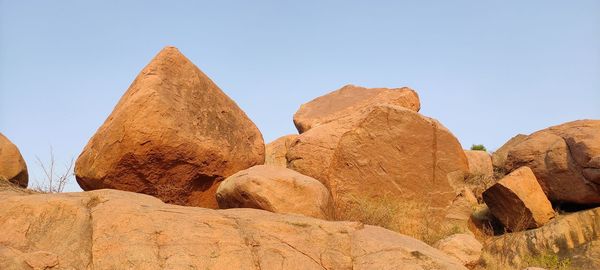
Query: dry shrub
[53, 181]
[479, 183]
[401, 215]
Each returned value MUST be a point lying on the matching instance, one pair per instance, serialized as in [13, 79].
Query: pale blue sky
[486, 69]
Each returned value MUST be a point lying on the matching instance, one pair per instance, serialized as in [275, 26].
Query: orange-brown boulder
[499, 156]
[173, 135]
[276, 150]
[275, 189]
[112, 229]
[348, 100]
[518, 201]
[12, 165]
[388, 150]
[565, 159]
[480, 163]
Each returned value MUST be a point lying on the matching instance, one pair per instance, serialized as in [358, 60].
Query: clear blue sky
[486, 69]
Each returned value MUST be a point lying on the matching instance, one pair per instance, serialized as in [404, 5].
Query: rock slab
[173, 135]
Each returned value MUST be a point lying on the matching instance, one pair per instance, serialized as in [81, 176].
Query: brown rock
[275, 189]
[174, 135]
[389, 150]
[565, 159]
[480, 163]
[518, 201]
[112, 229]
[461, 246]
[276, 150]
[349, 100]
[12, 165]
[499, 156]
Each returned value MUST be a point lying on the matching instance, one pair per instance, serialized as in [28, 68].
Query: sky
[487, 70]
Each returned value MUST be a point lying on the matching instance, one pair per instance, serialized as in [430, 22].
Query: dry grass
[53, 181]
[403, 216]
[478, 183]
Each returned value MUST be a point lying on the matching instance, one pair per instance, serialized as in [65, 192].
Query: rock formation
[499, 156]
[174, 135]
[349, 100]
[480, 163]
[461, 246]
[12, 165]
[111, 229]
[387, 150]
[518, 201]
[565, 159]
[276, 150]
[275, 189]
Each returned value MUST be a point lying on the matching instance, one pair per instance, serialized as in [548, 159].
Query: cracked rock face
[351, 99]
[565, 159]
[111, 229]
[388, 150]
[12, 164]
[173, 135]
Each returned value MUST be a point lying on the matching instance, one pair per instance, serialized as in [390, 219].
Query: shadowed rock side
[565, 159]
[174, 135]
[351, 99]
[110, 229]
[389, 150]
[12, 164]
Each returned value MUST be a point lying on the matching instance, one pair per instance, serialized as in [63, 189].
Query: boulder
[570, 236]
[499, 156]
[351, 99]
[111, 229]
[518, 201]
[388, 150]
[565, 159]
[480, 163]
[276, 150]
[12, 165]
[275, 189]
[173, 135]
[461, 246]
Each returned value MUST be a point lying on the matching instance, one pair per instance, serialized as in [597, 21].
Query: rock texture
[463, 247]
[351, 99]
[275, 189]
[499, 156]
[111, 229]
[575, 236]
[174, 135]
[565, 160]
[276, 150]
[518, 201]
[386, 150]
[480, 163]
[12, 165]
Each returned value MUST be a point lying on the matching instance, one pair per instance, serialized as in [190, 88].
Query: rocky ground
[178, 177]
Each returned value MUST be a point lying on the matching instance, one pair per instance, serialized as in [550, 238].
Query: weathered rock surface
[12, 164]
[111, 229]
[275, 189]
[574, 236]
[499, 156]
[276, 150]
[174, 135]
[387, 150]
[565, 159]
[461, 246]
[349, 100]
[480, 163]
[518, 201]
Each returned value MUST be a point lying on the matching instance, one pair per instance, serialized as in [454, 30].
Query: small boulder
[275, 189]
[518, 201]
[351, 99]
[276, 150]
[461, 246]
[173, 135]
[480, 163]
[565, 159]
[12, 164]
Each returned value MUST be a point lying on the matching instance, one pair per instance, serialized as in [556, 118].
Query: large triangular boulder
[174, 135]
[12, 164]
[351, 99]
